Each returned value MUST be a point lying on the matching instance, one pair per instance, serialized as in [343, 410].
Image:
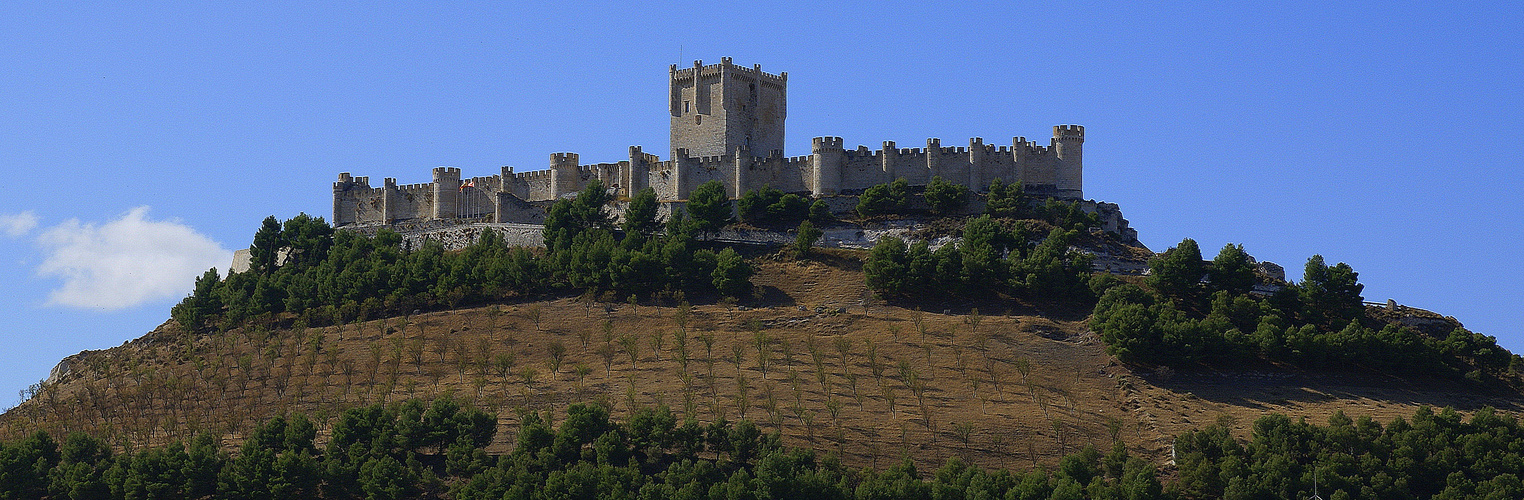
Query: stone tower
[719, 108]
[1068, 143]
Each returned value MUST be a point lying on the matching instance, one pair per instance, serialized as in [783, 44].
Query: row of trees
[327, 276]
[414, 449]
[1432, 456]
[373, 452]
[941, 197]
[1001, 200]
[994, 256]
[1193, 311]
[770, 207]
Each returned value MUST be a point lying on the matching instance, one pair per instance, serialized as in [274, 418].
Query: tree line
[1433, 455]
[1001, 201]
[1002, 251]
[994, 256]
[415, 449]
[437, 449]
[305, 268]
[1193, 311]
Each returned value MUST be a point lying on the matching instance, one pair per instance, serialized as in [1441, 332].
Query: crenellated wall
[727, 126]
[1052, 170]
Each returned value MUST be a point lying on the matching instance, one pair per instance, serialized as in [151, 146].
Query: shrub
[944, 197]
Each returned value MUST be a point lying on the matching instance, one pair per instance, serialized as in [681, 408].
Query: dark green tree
[1052, 271]
[732, 274]
[789, 208]
[567, 219]
[590, 205]
[887, 269]
[1178, 271]
[1005, 200]
[24, 466]
[1331, 293]
[808, 234]
[268, 242]
[640, 217]
[1232, 271]
[820, 213]
[881, 199]
[983, 266]
[752, 206]
[709, 207]
[309, 239]
[769, 206]
[201, 304]
[945, 197]
[83, 461]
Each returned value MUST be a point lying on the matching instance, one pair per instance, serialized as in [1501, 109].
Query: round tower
[564, 174]
[340, 215]
[827, 158]
[446, 192]
[1068, 146]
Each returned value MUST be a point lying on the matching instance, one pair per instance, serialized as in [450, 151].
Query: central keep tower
[720, 108]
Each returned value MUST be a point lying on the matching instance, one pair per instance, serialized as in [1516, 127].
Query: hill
[999, 382]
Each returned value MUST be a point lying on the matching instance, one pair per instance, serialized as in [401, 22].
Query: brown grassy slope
[1020, 389]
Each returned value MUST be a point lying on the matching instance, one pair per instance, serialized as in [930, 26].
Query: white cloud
[125, 262]
[18, 224]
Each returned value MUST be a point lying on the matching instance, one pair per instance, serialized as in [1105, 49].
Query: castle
[727, 125]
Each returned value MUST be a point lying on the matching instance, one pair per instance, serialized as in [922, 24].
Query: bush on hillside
[1183, 319]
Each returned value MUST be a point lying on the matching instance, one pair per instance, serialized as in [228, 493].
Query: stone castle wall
[829, 170]
[726, 126]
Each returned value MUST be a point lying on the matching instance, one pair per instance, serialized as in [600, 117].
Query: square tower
[720, 108]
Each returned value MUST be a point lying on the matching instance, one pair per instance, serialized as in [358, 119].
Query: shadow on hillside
[772, 296]
[1263, 389]
[995, 305]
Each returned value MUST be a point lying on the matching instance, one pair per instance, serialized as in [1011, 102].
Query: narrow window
[685, 107]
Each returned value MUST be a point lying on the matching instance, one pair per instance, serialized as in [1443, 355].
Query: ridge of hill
[1000, 383]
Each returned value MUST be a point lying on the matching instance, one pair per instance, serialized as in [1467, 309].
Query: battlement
[863, 152]
[823, 143]
[725, 64]
[1029, 147]
[347, 182]
[596, 168]
[723, 116]
[532, 175]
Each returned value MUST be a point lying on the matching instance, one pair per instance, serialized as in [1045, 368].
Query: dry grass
[820, 361]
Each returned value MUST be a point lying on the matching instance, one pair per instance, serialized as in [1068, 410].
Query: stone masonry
[727, 125]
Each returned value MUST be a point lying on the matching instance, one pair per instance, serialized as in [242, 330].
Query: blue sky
[144, 141]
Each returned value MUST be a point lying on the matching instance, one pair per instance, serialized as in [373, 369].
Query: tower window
[685, 107]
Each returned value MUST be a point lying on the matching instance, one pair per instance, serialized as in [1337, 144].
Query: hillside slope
[815, 357]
